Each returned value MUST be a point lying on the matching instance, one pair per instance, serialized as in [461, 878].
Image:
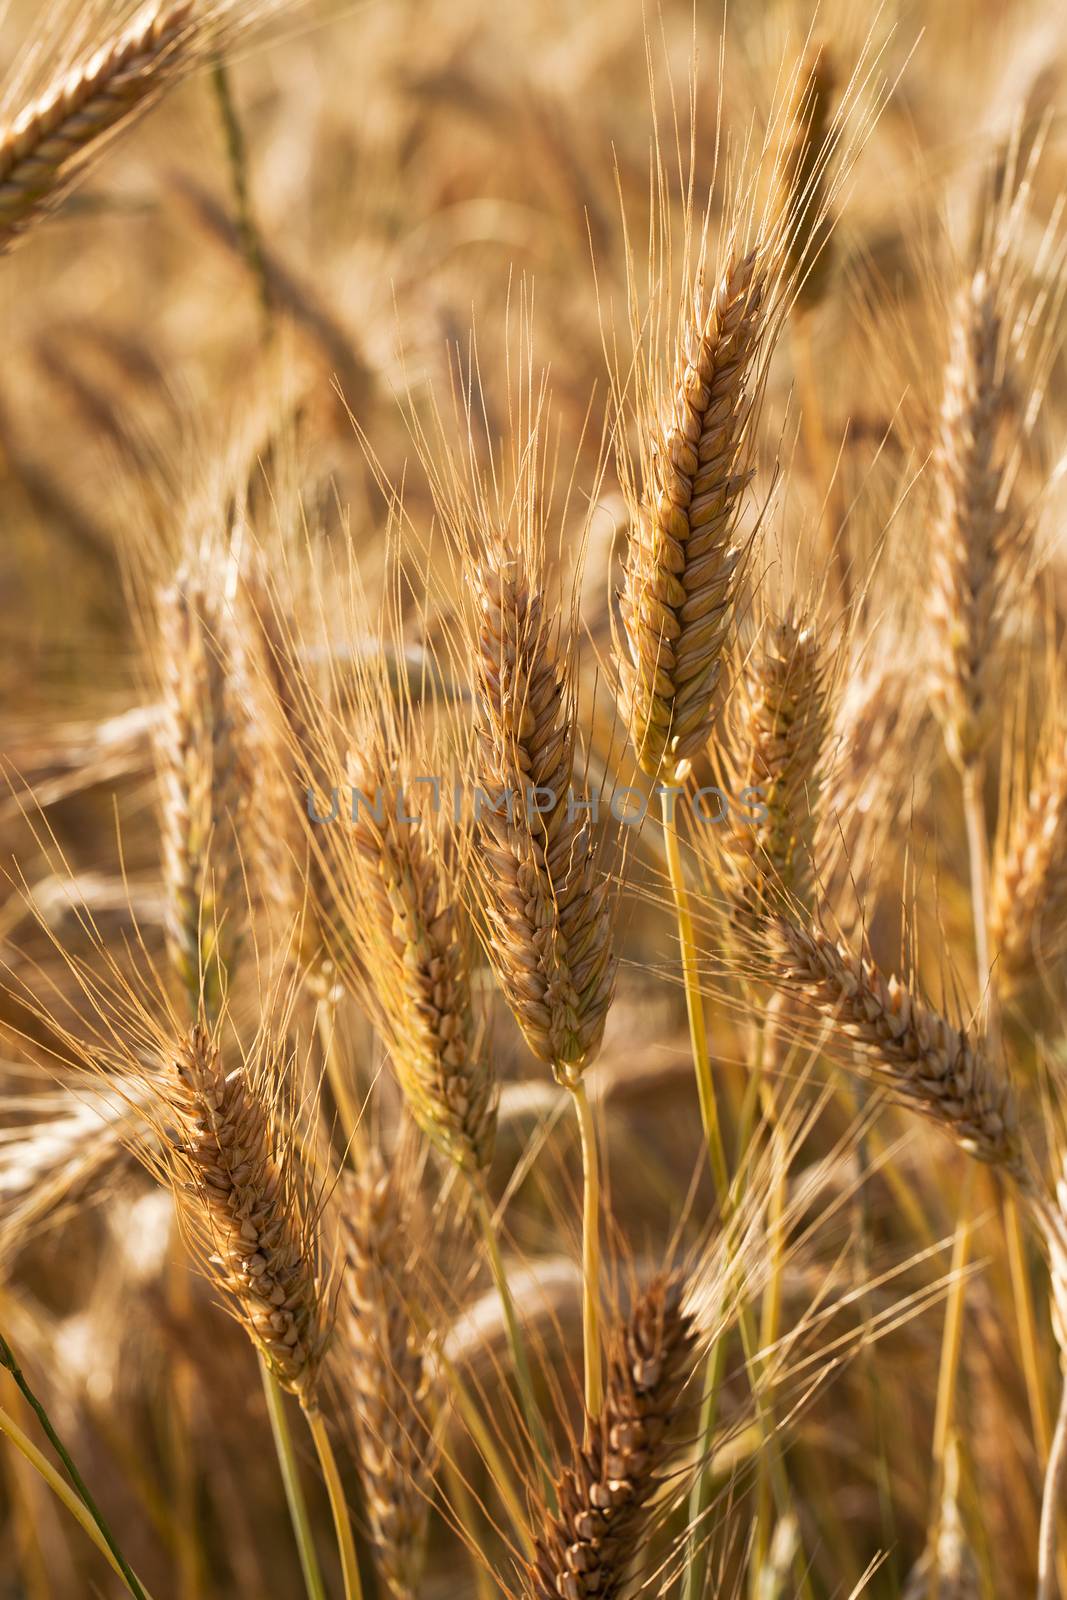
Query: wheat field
[533, 800]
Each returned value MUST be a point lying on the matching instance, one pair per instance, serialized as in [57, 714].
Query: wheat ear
[589, 1548]
[412, 940]
[248, 1208]
[548, 909]
[204, 795]
[781, 730]
[976, 543]
[549, 919]
[57, 133]
[801, 177]
[1029, 889]
[940, 1070]
[389, 1373]
[683, 566]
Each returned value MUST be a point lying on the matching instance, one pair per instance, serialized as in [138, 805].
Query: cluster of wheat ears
[307, 1041]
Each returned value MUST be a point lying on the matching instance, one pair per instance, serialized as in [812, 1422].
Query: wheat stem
[594, 1377]
[294, 1494]
[1052, 1498]
[7, 1359]
[342, 1522]
[694, 1002]
[523, 1376]
[63, 1492]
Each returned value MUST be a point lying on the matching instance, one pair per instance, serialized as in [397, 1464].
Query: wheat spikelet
[938, 1069]
[801, 177]
[388, 1372]
[406, 915]
[975, 542]
[248, 1209]
[1029, 888]
[682, 567]
[57, 133]
[781, 719]
[203, 793]
[588, 1549]
[549, 918]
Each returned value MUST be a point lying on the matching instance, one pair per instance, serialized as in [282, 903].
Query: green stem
[523, 1375]
[294, 1494]
[594, 1377]
[694, 1001]
[342, 1522]
[77, 1507]
[237, 155]
[696, 1566]
[7, 1359]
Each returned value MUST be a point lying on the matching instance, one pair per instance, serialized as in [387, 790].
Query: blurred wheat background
[659, 409]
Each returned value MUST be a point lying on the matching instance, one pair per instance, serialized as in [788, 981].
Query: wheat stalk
[589, 1548]
[56, 134]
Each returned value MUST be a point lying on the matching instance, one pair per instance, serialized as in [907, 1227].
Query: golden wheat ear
[203, 780]
[936, 1067]
[590, 1548]
[248, 1208]
[683, 567]
[52, 140]
[780, 732]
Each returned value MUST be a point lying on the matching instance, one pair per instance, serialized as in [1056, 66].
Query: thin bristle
[589, 1548]
[248, 1211]
[547, 905]
[683, 567]
[389, 1374]
[58, 132]
[937, 1068]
